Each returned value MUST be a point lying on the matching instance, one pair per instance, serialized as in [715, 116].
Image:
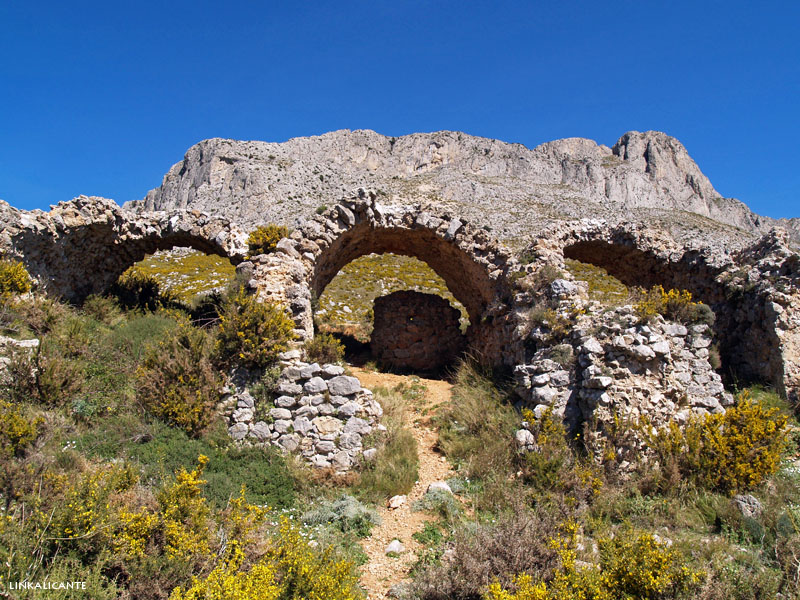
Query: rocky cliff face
[507, 188]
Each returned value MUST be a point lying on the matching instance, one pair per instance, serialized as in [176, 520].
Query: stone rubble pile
[9, 345]
[611, 364]
[318, 412]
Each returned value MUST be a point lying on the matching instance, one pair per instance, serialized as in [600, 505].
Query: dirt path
[381, 572]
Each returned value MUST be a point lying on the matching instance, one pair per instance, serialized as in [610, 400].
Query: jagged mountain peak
[508, 188]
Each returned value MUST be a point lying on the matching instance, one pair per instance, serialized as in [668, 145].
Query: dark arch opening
[466, 279]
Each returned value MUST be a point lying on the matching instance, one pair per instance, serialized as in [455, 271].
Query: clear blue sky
[101, 98]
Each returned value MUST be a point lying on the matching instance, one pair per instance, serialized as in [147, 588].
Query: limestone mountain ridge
[512, 191]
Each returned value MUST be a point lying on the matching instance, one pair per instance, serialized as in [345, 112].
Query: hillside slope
[508, 188]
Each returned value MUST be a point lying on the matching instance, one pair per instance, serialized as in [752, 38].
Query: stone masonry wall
[317, 412]
[415, 331]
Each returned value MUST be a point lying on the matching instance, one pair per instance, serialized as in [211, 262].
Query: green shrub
[555, 466]
[41, 313]
[324, 348]
[103, 308]
[137, 289]
[58, 379]
[556, 324]
[475, 428]
[728, 452]
[345, 513]
[132, 337]
[264, 239]
[14, 279]
[177, 382]
[162, 450]
[45, 375]
[439, 502]
[252, 333]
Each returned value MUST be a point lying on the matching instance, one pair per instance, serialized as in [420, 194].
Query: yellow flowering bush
[240, 519]
[727, 452]
[675, 305]
[179, 526]
[177, 381]
[14, 279]
[136, 529]
[228, 582]
[84, 518]
[252, 333]
[632, 565]
[185, 514]
[17, 431]
[263, 239]
[291, 569]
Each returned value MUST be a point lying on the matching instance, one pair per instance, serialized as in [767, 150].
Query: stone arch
[754, 345]
[81, 247]
[473, 266]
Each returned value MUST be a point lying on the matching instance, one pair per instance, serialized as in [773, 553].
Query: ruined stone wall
[474, 267]
[414, 331]
[318, 412]
[753, 292]
[83, 246]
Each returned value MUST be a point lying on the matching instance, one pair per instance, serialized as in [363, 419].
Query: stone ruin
[415, 332]
[318, 412]
[606, 364]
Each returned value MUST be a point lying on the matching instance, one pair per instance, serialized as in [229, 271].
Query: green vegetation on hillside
[604, 288]
[117, 470]
[554, 524]
[346, 304]
[186, 273]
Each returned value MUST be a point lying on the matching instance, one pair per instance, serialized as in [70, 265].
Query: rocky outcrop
[318, 412]
[510, 189]
[414, 331]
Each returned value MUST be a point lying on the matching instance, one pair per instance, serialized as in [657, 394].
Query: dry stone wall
[318, 412]
[415, 331]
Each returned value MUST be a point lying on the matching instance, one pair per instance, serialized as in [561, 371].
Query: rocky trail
[382, 571]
